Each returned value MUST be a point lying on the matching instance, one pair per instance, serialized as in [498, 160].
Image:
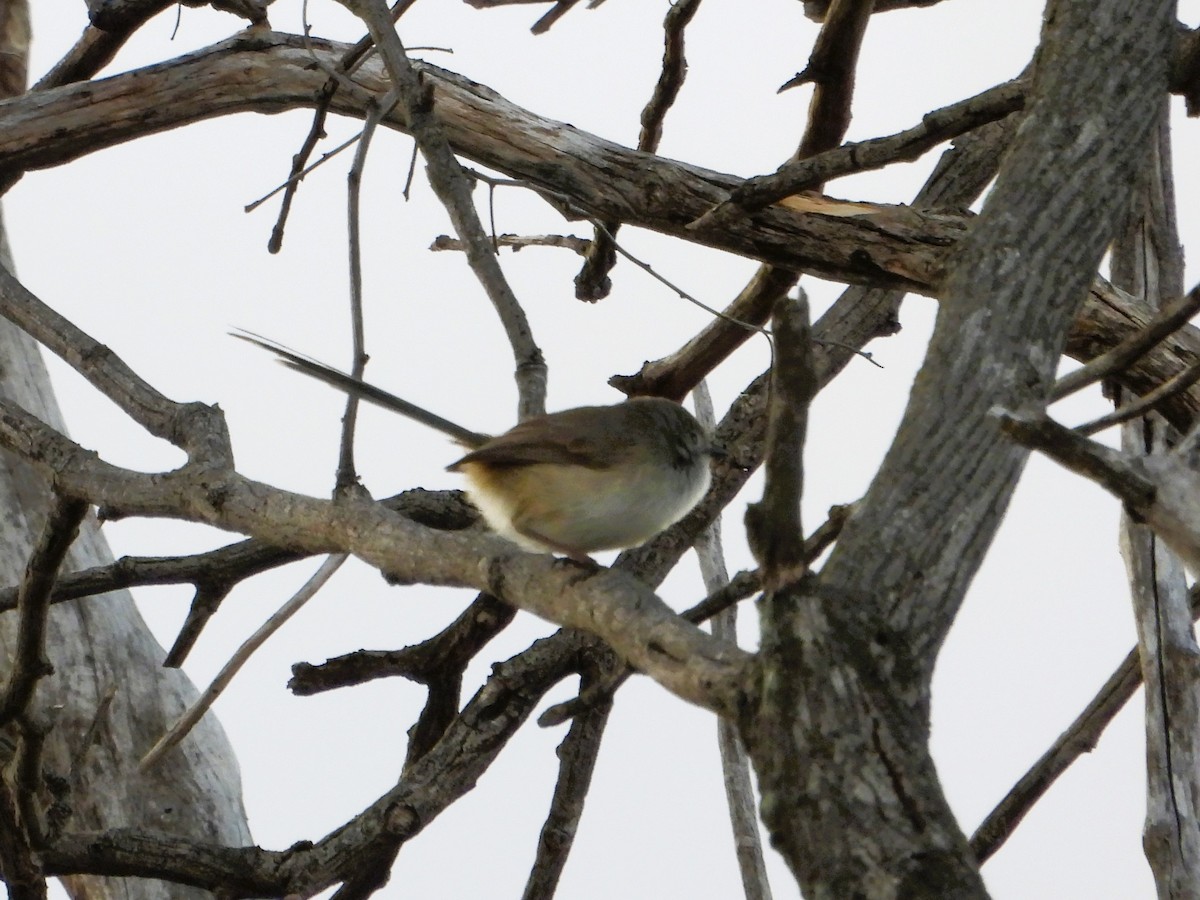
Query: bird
[574, 482]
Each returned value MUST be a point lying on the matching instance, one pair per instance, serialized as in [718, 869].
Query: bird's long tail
[359, 388]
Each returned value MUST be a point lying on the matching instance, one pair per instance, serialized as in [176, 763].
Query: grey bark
[108, 697]
[267, 72]
[101, 644]
[840, 742]
[1148, 263]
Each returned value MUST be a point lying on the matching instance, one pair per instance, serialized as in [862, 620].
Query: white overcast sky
[147, 248]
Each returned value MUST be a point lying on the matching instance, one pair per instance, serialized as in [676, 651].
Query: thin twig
[454, 190]
[406, 191]
[346, 473]
[350, 61]
[649, 270]
[294, 179]
[184, 724]
[1169, 319]
[519, 242]
[863, 156]
[735, 764]
[592, 283]
[1080, 737]
[1138, 407]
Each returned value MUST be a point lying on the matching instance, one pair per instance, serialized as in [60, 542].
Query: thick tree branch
[270, 72]
[194, 427]
[605, 602]
[978, 359]
[216, 572]
[859, 643]
[773, 524]
[830, 70]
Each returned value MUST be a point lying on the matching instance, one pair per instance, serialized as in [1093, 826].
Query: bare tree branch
[773, 523]
[20, 813]
[111, 26]
[1147, 261]
[454, 190]
[592, 283]
[1080, 737]
[520, 241]
[957, 181]
[907, 250]
[817, 10]
[811, 172]
[180, 727]
[740, 587]
[193, 427]
[735, 764]
[864, 635]
[685, 659]
[29, 661]
[1167, 321]
[1146, 403]
[830, 70]
[577, 756]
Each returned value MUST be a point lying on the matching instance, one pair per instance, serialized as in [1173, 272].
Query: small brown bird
[570, 482]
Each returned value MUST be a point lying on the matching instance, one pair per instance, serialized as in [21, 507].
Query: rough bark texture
[899, 247]
[849, 791]
[1148, 263]
[837, 718]
[97, 646]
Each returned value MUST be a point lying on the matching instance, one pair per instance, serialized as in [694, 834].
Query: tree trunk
[108, 698]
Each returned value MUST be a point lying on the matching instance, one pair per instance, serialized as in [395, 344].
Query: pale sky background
[147, 248]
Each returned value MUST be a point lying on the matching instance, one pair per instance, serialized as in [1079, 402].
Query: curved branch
[268, 72]
[271, 72]
[620, 609]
